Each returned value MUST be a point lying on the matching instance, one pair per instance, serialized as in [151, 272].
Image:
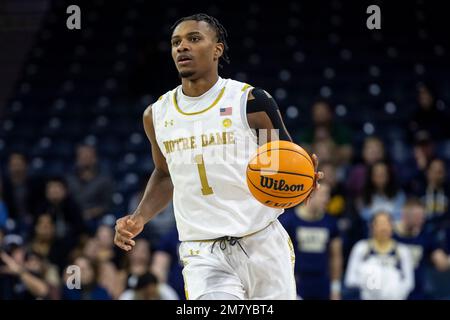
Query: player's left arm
[263, 116]
[336, 267]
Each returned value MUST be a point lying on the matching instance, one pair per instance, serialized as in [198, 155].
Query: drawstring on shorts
[232, 241]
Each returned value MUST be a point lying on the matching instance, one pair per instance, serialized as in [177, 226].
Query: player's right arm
[156, 197]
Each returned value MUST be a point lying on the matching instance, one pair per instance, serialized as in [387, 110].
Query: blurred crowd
[365, 234]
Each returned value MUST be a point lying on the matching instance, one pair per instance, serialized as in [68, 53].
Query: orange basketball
[280, 174]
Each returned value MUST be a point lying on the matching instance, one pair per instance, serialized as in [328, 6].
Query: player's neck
[197, 87]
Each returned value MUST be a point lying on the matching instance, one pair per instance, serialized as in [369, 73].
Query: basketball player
[232, 247]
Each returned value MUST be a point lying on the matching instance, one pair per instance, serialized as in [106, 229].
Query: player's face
[195, 49]
[382, 227]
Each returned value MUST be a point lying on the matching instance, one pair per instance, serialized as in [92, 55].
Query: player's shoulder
[162, 100]
[238, 85]
[164, 97]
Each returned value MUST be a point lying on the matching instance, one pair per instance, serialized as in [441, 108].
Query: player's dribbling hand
[317, 178]
[127, 228]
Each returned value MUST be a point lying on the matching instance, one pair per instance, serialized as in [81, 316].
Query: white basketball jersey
[207, 144]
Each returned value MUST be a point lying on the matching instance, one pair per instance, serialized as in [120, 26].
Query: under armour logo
[168, 123]
[194, 252]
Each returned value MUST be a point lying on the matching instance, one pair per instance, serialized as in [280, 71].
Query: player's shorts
[260, 266]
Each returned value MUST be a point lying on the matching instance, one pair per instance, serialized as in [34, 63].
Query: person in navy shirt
[318, 247]
[166, 263]
[423, 245]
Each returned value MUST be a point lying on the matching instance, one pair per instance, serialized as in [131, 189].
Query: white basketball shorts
[259, 267]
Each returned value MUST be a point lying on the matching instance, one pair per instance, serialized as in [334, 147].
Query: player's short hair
[220, 30]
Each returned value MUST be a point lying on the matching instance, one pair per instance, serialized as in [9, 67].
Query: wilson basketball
[280, 174]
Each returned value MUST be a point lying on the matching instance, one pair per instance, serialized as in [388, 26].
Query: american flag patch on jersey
[226, 111]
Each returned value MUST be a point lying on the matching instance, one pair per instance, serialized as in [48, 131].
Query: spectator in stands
[424, 149]
[105, 249]
[318, 247]
[436, 193]
[379, 267]
[46, 271]
[90, 289]
[23, 194]
[381, 193]
[372, 151]
[45, 243]
[158, 226]
[428, 117]
[166, 264]
[112, 279]
[424, 152]
[137, 264]
[338, 197]
[25, 277]
[137, 261]
[325, 148]
[91, 188]
[324, 127]
[148, 288]
[64, 210]
[87, 247]
[422, 244]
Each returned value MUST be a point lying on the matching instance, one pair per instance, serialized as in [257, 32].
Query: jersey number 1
[206, 189]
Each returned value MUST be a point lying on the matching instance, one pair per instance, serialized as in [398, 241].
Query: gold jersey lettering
[185, 143]
[204, 140]
[167, 146]
[221, 138]
[211, 139]
[230, 137]
[193, 144]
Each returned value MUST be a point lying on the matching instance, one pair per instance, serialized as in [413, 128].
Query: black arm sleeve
[265, 103]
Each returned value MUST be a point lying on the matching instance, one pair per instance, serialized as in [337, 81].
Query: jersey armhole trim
[244, 112]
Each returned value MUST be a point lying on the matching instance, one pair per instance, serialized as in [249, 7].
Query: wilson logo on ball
[286, 184]
[279, 185]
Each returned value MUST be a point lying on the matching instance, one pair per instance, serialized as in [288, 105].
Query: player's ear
[218, 50]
